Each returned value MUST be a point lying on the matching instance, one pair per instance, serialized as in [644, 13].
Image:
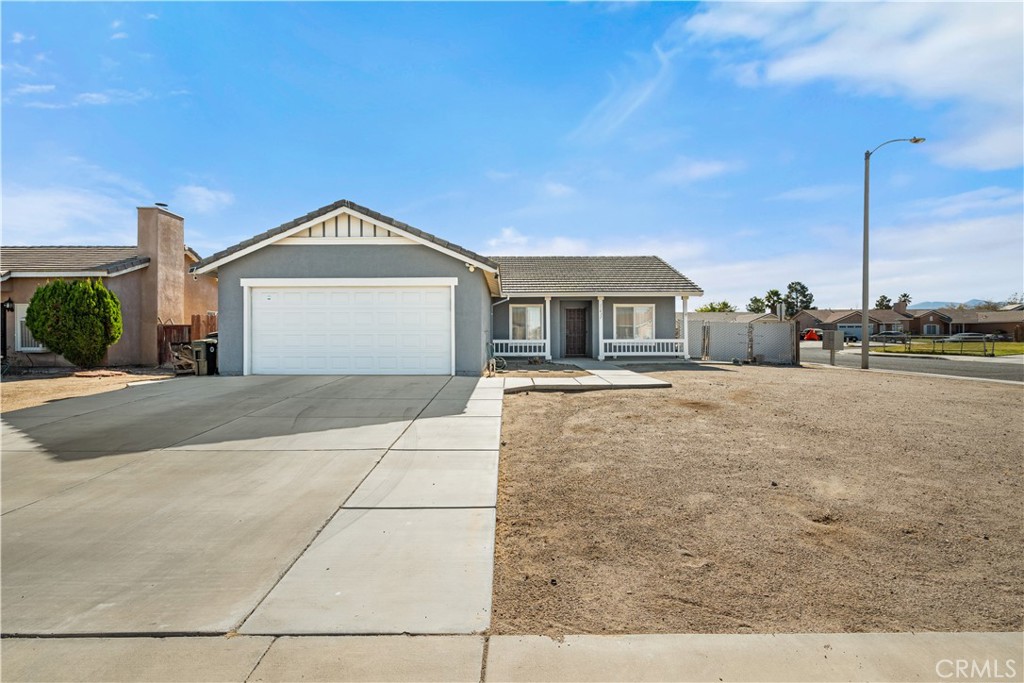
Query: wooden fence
[166, 335]
[203, 325]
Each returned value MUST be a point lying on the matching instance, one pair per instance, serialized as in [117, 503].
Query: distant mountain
[925, 305]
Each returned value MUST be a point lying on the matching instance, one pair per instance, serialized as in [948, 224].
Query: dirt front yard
[758, 499]
[24, 391]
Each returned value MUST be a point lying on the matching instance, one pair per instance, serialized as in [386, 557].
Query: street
[1008, 368]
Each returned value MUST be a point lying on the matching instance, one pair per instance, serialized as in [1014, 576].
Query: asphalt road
[1012, 370]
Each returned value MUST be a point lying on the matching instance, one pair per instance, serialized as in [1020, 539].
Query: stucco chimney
[162, 299]
[900, 307]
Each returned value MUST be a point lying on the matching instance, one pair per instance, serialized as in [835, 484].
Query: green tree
[756, 305]
[797, 298]
[904, 298]
[717, 307]
[79, 320]
[772, 299]
[883, 302]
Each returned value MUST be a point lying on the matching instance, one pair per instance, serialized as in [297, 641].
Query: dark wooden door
[575, 332]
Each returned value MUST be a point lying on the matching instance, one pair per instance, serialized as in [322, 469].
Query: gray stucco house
[346, 290]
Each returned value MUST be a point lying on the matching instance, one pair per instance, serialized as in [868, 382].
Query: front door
[575, 332]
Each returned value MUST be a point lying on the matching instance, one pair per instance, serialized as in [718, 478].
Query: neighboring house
[151, 280]
[849, 320]
[946, 321]
[347, 290]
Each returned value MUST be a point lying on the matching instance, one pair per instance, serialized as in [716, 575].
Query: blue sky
[727, 138]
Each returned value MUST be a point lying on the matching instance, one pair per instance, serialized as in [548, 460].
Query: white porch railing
[520, 347]
[643, 347]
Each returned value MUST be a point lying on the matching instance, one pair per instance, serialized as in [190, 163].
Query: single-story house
[347, 290]
[946, 321]
[849, 319]
[151, 280]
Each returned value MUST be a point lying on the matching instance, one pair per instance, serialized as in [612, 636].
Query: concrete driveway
[266, 505]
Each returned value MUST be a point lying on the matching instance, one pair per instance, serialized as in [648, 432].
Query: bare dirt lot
[763, 500]
[23, 391]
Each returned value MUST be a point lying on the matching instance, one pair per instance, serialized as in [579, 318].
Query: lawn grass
[927, 347]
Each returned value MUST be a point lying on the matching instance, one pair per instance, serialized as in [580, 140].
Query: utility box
[834, 340]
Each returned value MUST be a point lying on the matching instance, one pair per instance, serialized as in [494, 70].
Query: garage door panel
[339, 330]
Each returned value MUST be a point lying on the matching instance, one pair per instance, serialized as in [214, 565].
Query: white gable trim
[72, 273]
[329, 215]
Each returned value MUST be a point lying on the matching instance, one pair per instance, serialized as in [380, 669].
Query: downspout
[496, 303]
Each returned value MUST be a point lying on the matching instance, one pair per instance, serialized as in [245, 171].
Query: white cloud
[815, 193]
[116, 24]
[630, 91]
[555, 189]
[986, 200]
[512, 242]
[152, 17]
[66, 215]
[15, 69]
[112, 97]
[967, 54]
[17, 38]
[33, 89]
[964, 246]
[498, 176]
[120, 35]
[199, 199]
[685, 171]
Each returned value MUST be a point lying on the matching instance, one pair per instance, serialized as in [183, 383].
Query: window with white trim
[634, 321]
[931, 329]
[23, 339]
[527, 321]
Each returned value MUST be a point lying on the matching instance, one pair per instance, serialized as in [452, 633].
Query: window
[23, 339]
[634, 322]
[931, 329]
[526, 321]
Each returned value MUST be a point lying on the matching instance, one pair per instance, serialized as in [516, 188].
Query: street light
[864, 343]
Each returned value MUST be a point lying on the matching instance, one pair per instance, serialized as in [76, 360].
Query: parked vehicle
[968, 337]
[889, 337]
[850, 336]
[817, 335]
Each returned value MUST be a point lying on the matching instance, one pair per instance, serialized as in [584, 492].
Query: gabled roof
[270, 236]
[58, 261]
[592, 275]
[829, 316]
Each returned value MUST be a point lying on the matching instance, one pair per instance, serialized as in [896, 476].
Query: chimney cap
[162, 205]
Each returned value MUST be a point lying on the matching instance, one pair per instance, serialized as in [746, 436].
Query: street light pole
[864, 325]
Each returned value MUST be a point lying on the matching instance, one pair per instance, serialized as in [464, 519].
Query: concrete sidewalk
[603, 375]
[784, 657]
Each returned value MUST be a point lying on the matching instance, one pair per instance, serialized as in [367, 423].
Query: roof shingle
[58, 259]
[546, 275]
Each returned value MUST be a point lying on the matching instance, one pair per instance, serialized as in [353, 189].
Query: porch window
[527, 321]
[23, 339]
[634, 322]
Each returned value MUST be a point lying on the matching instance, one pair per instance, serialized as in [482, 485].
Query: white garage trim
[407, 282]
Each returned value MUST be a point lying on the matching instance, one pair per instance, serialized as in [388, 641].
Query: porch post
[547, 327]
[600, 328]
[686, 329]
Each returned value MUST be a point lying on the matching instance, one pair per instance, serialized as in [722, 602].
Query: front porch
[597, 327]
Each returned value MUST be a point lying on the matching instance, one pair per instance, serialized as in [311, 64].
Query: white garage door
[351, 330]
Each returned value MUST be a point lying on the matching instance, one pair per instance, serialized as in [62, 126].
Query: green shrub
[79, 320]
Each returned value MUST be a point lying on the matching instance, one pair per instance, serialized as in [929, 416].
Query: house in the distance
[849, 319]
[946, 321]
[150, 279]
[346, 290]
